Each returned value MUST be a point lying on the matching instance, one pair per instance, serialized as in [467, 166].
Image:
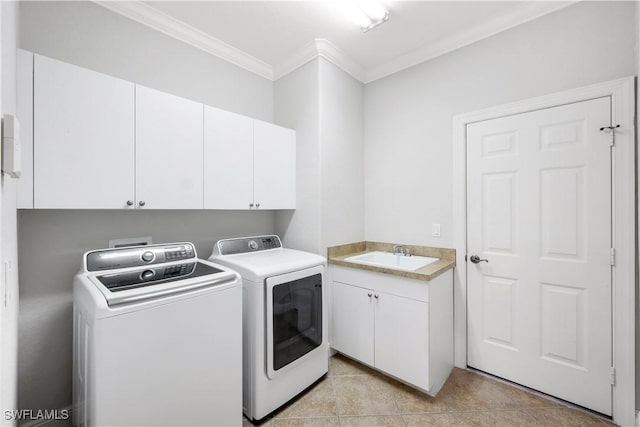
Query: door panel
[83, 138]
[539, 210]
[169, 166]
[228, 160]
[353, 322]
[274, 159]
[400, 350]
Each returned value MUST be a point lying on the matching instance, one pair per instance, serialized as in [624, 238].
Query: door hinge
[612, 257]
[610, 129]
[465, 258]
[612, 375]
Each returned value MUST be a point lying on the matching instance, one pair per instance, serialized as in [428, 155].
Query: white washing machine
[157, 339]
[284, 319]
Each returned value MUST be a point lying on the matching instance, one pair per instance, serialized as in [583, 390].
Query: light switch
[435, 230]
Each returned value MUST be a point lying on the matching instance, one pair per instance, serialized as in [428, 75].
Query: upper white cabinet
[168, 151]
[255, 161]
[83, 135]
[274, 166]
[24, 112]
[228, 160]
[92, 141]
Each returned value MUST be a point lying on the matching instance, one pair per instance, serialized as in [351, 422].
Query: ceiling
[272, 38]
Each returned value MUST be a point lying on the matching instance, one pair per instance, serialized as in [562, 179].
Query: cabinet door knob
[369, 294]
[376, 296]
[250, 205]
[142, 203]
[257, 205]
[129, 202]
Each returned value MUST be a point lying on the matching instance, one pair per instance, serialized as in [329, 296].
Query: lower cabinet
[399, 326]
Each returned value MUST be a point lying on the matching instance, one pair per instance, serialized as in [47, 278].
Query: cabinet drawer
[393, 285]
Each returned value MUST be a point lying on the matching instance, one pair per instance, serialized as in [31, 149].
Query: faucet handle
[407, 252]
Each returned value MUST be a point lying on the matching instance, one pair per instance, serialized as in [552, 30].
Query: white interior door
[539, 211]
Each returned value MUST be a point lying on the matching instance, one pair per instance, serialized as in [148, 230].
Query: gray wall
[297, 106]
[93, 37]
[51, 242]
[342, 151]
[8, 227]
[409, 115]
[51, 246]
[326, 107]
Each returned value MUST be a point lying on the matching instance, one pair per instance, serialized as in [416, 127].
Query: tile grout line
[335, 396]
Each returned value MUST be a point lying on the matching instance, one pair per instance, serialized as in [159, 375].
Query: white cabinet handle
[369, 294]
[129, 202]
[258, 205]
[142, 203]
[250, 205]
[376, 296]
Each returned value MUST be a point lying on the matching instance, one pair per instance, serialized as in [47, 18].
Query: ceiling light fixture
[368, 14]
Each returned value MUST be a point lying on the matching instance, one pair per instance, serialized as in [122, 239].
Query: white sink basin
[389, 260]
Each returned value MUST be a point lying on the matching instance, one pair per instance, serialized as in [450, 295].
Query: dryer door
[295, 305]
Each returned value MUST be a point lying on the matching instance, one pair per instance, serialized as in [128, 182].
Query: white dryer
[157, 339]
[284, 319]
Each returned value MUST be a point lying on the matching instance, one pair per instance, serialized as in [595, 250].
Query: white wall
[408, 116]
[296, 103]
[637, 204]
[8, 227]
[51, 246]
[85, 34]
[326, 107]
[342, 147]
[52, 242]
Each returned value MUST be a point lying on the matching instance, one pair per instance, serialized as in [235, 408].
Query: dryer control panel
[248, 244]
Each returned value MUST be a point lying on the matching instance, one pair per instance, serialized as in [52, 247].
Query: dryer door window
[297, 319]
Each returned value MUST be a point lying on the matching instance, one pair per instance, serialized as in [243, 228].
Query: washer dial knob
[253, 245]
[147, 275]
[147, 256]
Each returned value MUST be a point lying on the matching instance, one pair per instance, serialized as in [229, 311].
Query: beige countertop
[447, 258]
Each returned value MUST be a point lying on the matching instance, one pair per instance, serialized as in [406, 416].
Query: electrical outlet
[435, 230]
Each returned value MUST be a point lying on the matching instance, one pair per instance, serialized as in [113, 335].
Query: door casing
[622, 93]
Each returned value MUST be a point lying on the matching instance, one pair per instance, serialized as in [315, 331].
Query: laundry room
[431, 160]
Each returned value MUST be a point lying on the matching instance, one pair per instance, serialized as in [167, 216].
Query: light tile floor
[354, 395]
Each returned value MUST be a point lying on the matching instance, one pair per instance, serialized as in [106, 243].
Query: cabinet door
[169, 169]
[24, 112]
[228, 160]
[353, 322]
[402, 338]
[274, 160]
[83, 138]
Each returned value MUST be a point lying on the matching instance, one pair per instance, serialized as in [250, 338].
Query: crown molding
[502, 23]
[322, 48]
[319, 48]
[153, 18]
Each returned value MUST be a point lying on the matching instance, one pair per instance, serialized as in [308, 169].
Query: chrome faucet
[401, 250]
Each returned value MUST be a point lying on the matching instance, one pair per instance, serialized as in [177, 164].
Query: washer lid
[267, 263]
[131, 285]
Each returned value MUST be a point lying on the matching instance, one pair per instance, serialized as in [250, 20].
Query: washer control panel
[248, 244]
[136, 256]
